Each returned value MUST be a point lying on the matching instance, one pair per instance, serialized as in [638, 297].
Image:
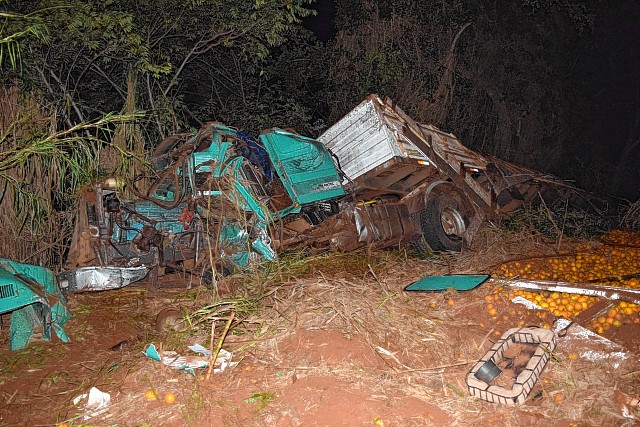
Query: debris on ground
[332, 338]
[189, 363]
[93, 403]
[32, 297]
[508, 372]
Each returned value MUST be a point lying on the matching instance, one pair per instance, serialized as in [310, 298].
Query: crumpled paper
[97, 402]
[191, 362]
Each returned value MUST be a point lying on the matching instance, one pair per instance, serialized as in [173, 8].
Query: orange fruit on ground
[169, 398]
[151, 395]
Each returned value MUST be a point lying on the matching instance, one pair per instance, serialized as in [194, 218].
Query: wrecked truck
[222, 200]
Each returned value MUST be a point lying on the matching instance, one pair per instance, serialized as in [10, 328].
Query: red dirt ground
[313, 355]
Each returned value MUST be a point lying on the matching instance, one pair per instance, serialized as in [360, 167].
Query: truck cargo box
[382, 150]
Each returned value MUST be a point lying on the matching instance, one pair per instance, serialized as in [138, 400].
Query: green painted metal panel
[304, 166]
[459, 282]
[33, 297]
[221, 159]
[14, 292]
[24, 323]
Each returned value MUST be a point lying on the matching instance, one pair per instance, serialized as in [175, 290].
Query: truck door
[305, 167]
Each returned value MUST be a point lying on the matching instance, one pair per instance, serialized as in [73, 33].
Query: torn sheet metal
[599, 349]
[587, 344]
[100, 278]
[609, 292]
[32, 296]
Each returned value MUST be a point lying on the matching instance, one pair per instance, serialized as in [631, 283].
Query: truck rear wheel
[444, 222]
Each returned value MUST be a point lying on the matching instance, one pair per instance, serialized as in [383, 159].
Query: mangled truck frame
[223, 200]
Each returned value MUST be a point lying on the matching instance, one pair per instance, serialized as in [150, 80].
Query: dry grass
[421, 346]
[427, 345]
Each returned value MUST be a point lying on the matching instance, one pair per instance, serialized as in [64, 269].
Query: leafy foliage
[41, 168]
[10, 41]
[96, 46]
[259, 95]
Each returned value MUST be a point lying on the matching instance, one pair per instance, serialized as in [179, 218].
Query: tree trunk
[444, 93]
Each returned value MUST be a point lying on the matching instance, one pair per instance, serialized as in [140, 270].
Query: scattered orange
[151, 395]
[616, 256]
[169, 398]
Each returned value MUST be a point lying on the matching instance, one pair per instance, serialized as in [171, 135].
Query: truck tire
[444, 222]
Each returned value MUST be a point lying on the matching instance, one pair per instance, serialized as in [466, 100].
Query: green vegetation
[90, 87]
[261, 399]
[103, 82]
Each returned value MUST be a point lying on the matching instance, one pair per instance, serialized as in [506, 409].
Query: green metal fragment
[32, 296]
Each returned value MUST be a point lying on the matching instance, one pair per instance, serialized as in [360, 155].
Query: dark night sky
[322, 23]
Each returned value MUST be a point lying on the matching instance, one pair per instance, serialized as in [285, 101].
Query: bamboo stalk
[214, 356]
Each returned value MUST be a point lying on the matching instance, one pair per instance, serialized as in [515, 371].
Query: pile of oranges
[604, 263]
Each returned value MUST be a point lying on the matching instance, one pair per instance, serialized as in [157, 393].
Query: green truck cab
[218, 200]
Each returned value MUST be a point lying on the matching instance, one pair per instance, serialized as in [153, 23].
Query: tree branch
[96, 68]
[45, 81]
[68, 96]
[153, 107]
[198, 49]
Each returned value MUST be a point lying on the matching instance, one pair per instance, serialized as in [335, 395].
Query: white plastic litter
[94, 403]
[189, 363]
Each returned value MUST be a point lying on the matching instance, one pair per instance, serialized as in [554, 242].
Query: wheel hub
[452, 222]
